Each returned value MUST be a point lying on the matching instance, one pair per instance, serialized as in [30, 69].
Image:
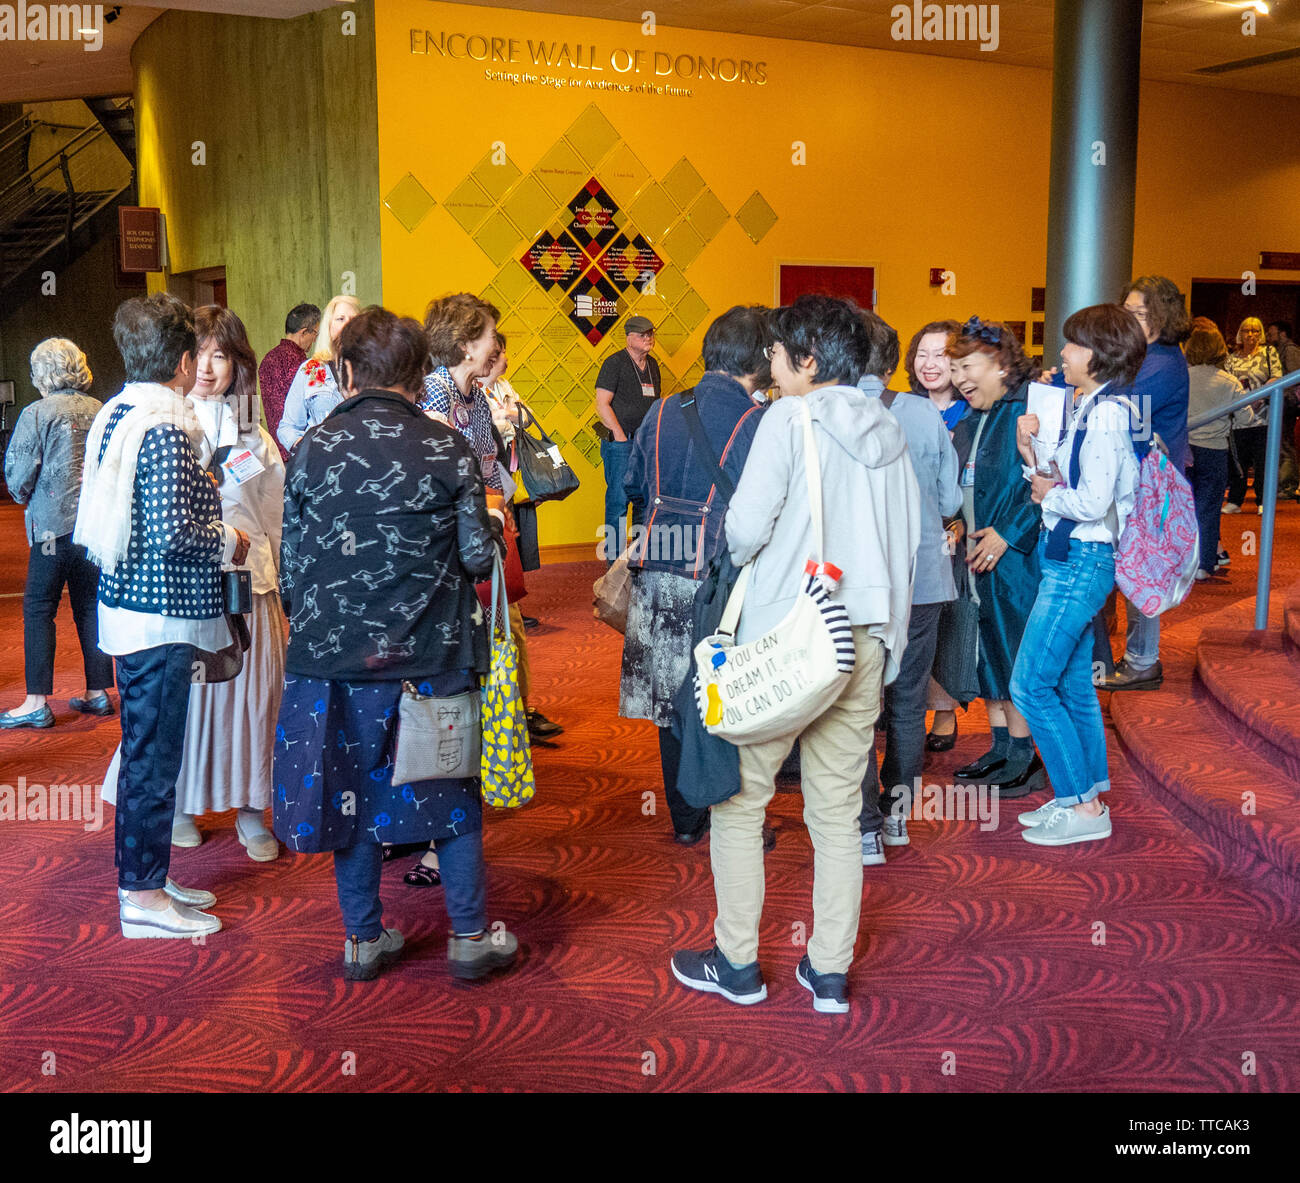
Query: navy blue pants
[464, 884]
[1209, 475]
[154, 686]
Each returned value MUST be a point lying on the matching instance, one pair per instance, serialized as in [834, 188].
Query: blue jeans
[1209, 475]
[464, 883]
[1142, 639]
[616, 455]
[1051, 684]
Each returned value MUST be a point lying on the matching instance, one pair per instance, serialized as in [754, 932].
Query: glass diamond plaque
[756, 217]
[409, 202]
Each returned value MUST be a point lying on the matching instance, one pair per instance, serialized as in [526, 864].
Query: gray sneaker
[362, 960]
[470, 958]
[1036, 817]
[895, 833]
[1064, 827]
[873, 850]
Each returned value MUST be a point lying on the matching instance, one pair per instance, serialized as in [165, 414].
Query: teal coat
[1002, 501]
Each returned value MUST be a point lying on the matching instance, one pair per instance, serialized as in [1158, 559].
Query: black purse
[224, 665]
[545, 474]
[956, 658]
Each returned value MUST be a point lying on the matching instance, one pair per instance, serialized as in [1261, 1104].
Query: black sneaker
[712, 973]
[830, 991]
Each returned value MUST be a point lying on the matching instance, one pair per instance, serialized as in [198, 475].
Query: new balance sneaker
[895, 832]
[830, 991]
[873, 849]
[1064, 827]
[1036, 817]
[712, 973]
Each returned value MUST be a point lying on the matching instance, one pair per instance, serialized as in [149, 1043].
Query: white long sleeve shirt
[1108, 473]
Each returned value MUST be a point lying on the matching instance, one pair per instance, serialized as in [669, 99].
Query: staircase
[55, 209]
[1221, 748]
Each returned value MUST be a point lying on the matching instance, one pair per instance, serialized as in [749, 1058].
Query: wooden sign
[1279, 260]
[141, 237]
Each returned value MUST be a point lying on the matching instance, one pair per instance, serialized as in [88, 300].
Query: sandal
[421, 875]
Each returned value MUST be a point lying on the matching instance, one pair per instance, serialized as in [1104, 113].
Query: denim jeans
[616, 455]
[904, 722]
[1142, 639]
[687, 819]
[464, 884]
[1209, 475]
[1051, 684]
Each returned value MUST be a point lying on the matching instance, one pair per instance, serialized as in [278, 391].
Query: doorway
[847, 281]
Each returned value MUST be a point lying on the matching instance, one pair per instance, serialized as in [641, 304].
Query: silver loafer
[191, 897]
[175, 921]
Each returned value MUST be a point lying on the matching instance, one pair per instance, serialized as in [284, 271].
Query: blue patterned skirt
[333, 769]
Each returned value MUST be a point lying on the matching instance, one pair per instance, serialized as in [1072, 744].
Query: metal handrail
[67, 150]
[18, 197]
[1272, 462]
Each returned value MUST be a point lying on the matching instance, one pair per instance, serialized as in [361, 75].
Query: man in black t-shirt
[626, 386]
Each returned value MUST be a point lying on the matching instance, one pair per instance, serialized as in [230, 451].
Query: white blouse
[1108, 474]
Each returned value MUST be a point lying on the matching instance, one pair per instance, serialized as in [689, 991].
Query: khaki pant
[834, 753]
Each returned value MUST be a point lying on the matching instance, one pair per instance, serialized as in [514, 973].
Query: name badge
[242, 466]
[648, 389]
[968, 475]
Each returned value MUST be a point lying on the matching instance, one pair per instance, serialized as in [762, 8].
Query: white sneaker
[895, 832]
[1036, 817]
[1064, 827]
[873, 850]
[1232, 507]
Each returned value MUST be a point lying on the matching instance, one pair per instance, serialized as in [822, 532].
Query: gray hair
[59, 365]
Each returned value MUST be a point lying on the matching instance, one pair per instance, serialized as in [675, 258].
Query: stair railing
[1273, 391]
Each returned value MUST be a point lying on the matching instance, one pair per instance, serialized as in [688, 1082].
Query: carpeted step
[1216, 783]
[1291, 619]
[1256, 681]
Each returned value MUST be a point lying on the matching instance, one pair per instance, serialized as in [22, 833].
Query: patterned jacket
[173, 564]
[386, 531]
[43, 463]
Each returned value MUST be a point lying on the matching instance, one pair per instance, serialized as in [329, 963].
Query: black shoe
[692, 837]
[978, 769]
[530, 621]
[92, 706]
[712, 973]
[942, 743]
[1031, 780]
[830, 991]
[1222, 560]
[540, 727]
[1126, 678]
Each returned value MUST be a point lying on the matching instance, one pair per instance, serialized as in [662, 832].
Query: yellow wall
[912, 162]
[287, 200]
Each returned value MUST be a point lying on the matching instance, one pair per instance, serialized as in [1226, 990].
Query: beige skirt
[230, 727]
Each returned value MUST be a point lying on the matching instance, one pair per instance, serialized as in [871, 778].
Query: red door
[822, 279]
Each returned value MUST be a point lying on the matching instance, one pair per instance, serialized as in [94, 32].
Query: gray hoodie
[871, 508]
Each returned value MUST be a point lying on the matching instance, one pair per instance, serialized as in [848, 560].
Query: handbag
[437, 738]
[612, 593]
[226, 664]
[780, 682]
[543, 472]
[506, 765]
[956, 657]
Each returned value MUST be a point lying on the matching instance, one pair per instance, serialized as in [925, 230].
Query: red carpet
[1139, 963]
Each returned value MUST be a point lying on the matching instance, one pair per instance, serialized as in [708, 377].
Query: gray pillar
[1095, 61]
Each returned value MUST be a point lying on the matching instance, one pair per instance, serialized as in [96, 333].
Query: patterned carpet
[984, 963]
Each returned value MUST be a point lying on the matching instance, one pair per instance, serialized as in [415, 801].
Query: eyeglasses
[770, 350]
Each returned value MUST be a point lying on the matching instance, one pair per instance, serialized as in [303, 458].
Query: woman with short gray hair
[43, 472]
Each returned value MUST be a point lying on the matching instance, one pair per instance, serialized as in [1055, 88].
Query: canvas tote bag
[780, 682]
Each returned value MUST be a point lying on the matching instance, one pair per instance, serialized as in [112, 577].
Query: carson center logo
[594, 307]
[53, 22]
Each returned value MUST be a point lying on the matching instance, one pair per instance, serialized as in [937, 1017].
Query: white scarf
[108, 485]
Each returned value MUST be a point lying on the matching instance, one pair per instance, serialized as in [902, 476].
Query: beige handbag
[612, 592]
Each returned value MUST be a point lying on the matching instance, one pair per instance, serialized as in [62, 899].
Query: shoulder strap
[701, 441]
[813, 473]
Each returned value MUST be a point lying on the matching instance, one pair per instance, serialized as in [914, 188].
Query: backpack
[1159, 550]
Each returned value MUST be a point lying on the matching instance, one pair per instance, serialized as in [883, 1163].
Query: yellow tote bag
[507, 768]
